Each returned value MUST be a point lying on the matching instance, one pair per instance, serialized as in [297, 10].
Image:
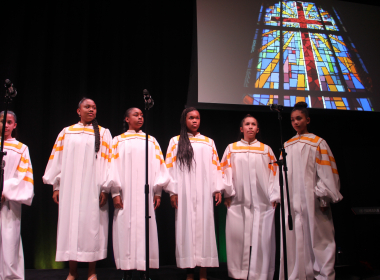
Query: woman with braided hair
[78, 167]
[193, 164]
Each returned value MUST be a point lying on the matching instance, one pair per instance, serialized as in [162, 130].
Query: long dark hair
[127, 113]
[185, 154]
[241, 134]
[14, 132]
[96, 128]
[301, 106]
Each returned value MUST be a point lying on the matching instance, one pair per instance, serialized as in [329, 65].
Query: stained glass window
[299, 48]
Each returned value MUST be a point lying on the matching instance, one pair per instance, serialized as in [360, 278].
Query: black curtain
[56, 52]
[59, 51]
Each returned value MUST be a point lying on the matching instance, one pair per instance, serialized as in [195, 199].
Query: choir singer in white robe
[18, 190]
[313, 184]
[249, 169]
[78, 169]
[128, 169]
[193, 164]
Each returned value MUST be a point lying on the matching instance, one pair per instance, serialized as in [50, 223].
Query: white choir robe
[249, 169]
[128, 175]
[195, 231]
[313, 182]
[80, 175]
[18, 189]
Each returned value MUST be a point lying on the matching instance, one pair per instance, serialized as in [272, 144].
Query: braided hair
[96, 129]
[14, 132]
[185, 154]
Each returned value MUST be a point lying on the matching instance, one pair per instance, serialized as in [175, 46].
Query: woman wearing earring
[249, 169]
[193, 164]
[18, 190]
[313, 184]
[77, 169]
[128, 175]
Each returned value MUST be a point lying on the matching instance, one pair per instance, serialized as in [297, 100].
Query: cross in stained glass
[311, 67]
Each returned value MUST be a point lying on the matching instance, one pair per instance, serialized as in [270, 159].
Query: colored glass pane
[295, 76]
[325, 62]
[269, 56]
[365, 104]
[290, 101]
[273, 11]
[339, 103]
[291, 24]
[315, 26]
[310, 10]
[264, 99]
[289, 10]
[346, 64]
[328, 20]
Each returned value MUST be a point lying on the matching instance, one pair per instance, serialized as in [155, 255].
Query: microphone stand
[148, 105]
[283, 166]
[10, 92]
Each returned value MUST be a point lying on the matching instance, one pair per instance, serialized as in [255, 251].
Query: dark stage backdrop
[58, 52]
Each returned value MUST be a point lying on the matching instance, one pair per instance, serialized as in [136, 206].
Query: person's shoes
[75, 278]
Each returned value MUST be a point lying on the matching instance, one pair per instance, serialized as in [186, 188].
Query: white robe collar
[192, 135]
[134, 131]
[246, 142]
[81, 124]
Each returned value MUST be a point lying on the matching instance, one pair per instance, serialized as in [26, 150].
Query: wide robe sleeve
[273, 187]
[226, 167]
[328, 185]
[171, 158]
[113, 184]
[106, 158]
[52, 174]
[19, 188]
[217, 186]
[162, 177]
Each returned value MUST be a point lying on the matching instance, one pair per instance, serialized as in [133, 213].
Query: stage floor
[164, 273]
[174, 273]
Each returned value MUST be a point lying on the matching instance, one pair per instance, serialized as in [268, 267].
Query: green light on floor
[45, 247]
[222, 212]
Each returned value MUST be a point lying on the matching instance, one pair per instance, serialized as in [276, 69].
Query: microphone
[276, 107]
[149, 102]
[10, 90]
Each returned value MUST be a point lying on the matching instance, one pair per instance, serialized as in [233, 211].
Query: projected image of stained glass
[311, 14]
[328, 20]
[261, 99]
[348, 67]
[290, 100]
[295, 76]
[264, 99]
[313, 57]
[289, 11]
[365, 104]
[326, 64]
[340, 103]
[272, 11]
[267, 67]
